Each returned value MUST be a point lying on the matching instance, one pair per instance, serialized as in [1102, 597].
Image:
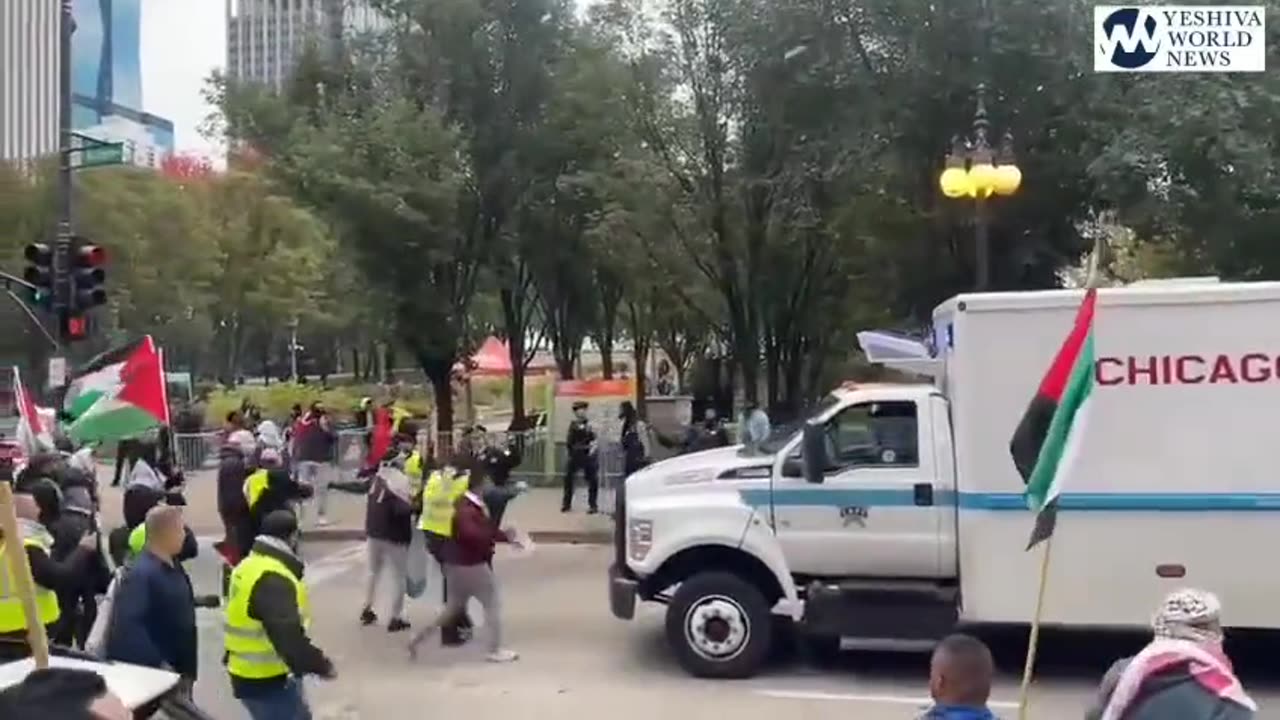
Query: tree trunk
[606, 356]
[355, 363]
[514, 322]
[439, 372]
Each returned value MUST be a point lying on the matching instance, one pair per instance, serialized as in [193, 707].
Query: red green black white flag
[1046, 443]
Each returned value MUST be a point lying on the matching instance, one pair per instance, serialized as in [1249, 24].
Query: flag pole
[1033, 639]
[19, 569]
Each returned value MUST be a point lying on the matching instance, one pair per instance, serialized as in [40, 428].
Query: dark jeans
[283, 703]
[587, 465]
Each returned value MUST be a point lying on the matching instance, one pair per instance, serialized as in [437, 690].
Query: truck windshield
[780, 434]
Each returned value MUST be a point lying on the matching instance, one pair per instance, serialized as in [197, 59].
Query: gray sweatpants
[392, 558]
[318, 475]
[466, 582]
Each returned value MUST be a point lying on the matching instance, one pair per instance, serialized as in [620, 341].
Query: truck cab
[891, 513]
[746, 533]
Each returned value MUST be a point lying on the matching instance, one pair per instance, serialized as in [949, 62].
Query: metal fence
[199, 451]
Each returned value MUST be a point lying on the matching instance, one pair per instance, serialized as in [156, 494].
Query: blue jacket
[957, 712]
[153, 617]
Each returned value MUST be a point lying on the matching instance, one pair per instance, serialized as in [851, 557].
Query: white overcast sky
[182, 42]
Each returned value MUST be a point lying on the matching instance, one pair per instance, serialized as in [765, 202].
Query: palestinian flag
[32, 434]
[1047, 441]
[118, 395]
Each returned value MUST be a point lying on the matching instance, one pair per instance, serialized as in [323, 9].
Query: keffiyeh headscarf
[1189, 615]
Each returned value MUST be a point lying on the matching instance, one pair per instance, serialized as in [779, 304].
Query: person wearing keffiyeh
[1182, 674]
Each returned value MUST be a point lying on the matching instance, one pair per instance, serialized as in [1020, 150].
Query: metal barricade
[196, 451]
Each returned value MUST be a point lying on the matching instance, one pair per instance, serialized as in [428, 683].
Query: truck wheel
[719, 626]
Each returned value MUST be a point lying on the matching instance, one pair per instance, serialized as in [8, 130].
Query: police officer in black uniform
[581, 444]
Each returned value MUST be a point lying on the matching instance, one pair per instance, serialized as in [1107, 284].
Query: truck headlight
[639, 538]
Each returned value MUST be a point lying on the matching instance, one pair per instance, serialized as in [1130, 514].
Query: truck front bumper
[622, 594]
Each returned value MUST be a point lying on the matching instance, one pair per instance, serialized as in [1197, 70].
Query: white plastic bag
[96, 643]
[419, 560]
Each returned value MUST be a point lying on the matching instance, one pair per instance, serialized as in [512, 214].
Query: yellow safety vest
[12, 617]
[442, 491]
[250, 654]
[254, 486]
[398, 416]
[137, 539]
[413, 469]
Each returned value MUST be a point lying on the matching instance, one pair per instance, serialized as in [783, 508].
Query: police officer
[439, 496]
[267, 647]
[581, 444]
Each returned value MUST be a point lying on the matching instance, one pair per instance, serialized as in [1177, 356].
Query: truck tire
[719, 626]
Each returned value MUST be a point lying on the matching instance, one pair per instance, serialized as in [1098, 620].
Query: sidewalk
[536, 512]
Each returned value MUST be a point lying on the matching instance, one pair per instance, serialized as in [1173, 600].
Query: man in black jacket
[581, 446]
[280, 493]
[272, 603]
[389, 529]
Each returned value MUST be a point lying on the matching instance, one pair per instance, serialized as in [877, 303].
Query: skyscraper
[265, 37]
[106, 80]
[28, 79]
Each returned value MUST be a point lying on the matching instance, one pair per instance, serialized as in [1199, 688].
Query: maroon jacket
[474, 535]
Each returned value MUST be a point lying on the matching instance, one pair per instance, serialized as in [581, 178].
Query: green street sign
[98, 155]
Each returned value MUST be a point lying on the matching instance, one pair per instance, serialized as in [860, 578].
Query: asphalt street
[578, 661]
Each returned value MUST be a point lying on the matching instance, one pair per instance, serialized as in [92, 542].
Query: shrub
[276, 399]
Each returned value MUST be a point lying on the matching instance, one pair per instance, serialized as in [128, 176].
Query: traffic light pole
[65, 231]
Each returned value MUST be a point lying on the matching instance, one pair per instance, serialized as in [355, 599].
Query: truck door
[877, 511]
[944, 488]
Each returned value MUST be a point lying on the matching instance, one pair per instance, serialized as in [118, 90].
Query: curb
[546, 537]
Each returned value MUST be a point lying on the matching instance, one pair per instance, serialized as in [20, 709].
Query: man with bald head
[960, 676]
[154, 618]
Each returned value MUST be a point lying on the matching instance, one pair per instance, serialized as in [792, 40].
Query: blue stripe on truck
[904, 497]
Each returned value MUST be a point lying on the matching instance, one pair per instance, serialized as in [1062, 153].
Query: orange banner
[595, 388]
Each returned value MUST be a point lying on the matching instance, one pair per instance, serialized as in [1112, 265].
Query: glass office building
[106, 79]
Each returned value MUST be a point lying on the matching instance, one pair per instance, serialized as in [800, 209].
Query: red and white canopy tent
[493, 359]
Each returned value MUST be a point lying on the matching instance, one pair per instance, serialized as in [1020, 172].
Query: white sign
[57, 372]
[1179, 38]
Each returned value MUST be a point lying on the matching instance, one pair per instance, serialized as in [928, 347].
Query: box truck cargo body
[894, 512]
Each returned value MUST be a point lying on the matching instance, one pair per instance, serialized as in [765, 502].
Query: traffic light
[88, 276]
[75, 327]
[39, 272]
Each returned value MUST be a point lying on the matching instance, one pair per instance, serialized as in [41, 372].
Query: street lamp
[975, 170]
[294, 347]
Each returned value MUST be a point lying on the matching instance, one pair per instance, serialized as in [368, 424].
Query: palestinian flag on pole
[119, 394]
[32, 434]
[1046, 443]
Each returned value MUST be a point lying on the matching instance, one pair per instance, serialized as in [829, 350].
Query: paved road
[577, 661]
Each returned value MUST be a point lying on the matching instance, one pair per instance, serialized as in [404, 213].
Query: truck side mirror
[816, 462]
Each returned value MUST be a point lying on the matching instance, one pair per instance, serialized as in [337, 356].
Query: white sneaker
[503, 656]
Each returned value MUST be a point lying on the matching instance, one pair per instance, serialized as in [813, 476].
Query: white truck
[893, 513]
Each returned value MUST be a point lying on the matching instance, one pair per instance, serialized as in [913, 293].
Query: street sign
[98, 155]
[57, 372]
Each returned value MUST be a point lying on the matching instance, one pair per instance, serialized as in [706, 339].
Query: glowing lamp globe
[982, 179]
[954, 182]
[1008, 179]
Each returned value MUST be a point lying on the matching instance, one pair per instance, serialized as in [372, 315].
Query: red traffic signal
[77, 327]
[87, 275]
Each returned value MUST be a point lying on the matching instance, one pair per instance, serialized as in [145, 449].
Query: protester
[63, 694]
[497, 461]
[51, 576]
[68, 520]
[388, 526]
[233, 468]
[316, 445]
[126, 454]
[268, 650]
[438, 504]
[468, 556]
[581, 446]
[268, 489]
[705, 435]
[633, 438]
[960, 674]
[1182, 674]
[153, 619]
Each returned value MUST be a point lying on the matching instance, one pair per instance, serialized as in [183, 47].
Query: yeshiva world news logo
[1179, 38]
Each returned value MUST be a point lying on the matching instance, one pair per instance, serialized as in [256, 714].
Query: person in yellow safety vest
[267, 489]
[439, 497]
[49, 575]
[267, 616]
